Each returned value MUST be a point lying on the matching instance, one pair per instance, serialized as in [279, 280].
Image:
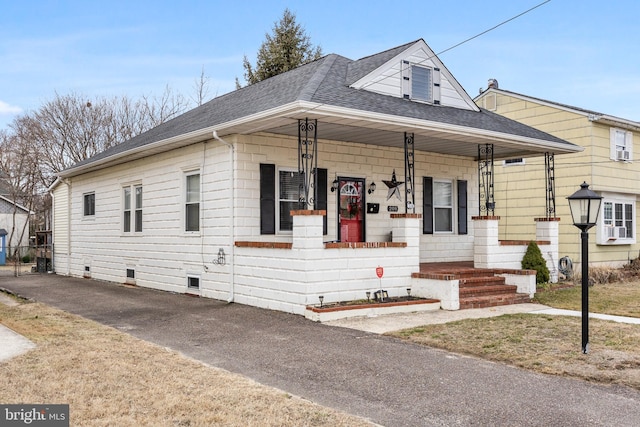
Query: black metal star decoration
[394, 186]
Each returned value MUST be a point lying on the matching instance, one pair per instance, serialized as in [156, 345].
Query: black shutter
[267, 199]
[427, 205]
[462, 207]
[321, 202]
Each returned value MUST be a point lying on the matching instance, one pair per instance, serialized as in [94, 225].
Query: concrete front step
[493, 300]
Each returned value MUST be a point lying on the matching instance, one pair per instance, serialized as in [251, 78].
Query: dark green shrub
[533, 260]
[26, 259]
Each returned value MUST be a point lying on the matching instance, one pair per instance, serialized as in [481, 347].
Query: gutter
[615, 121]
[231, 217]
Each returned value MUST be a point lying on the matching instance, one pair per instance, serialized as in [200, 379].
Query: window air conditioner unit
[622, 155]
[610, 232]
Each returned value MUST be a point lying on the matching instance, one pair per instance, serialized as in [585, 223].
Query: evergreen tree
[286, 48]
[533, 260]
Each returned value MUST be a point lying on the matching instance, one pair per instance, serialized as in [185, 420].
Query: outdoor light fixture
[409, 292]
[334, 185]
[368, 295]
[321, 298]
[372, 188]
[585, 206]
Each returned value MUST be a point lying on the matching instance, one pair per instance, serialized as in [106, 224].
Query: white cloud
[9, 109]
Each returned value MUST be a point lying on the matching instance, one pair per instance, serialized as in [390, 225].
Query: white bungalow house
[301, 185]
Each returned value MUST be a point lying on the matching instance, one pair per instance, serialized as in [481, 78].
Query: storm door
[351, 210]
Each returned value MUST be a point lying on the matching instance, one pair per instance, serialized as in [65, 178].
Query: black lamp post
[585, 206]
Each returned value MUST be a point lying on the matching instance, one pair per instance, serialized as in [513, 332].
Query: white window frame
[410, 77]
[621, 145]
[194, 277]
[280, 200]
[134, 209]
[91, 214]
[617, 221]
[451, 207]
[187, 202]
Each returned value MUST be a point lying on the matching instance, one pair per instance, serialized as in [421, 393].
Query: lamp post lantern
[585, 206]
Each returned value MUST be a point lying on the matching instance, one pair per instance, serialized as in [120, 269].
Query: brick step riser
[478, 292]
[473, 274]
[485, 281]
[492, 302]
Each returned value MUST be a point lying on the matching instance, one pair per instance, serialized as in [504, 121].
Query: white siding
[15, 231]
[163, 255]
[357, 161]
[61, 231]
[388, 78]
[61, 219]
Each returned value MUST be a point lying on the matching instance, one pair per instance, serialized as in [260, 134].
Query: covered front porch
[291, 276]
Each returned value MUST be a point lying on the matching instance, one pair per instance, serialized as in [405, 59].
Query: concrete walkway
[395, 322]
[386, 380]
[12, 344]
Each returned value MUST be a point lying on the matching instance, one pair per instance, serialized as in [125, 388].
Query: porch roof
[321, 90]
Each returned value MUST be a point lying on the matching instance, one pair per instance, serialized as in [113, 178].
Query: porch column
[485, 241]
[405, 228]
[547, 230]
[307, 229]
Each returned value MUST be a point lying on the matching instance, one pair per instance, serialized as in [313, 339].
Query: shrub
[533, 260]
[602, 276]
[26, 259]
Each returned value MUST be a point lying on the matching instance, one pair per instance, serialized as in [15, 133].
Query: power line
[458, 44]
[492, 28]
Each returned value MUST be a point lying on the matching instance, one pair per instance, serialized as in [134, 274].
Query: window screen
[421, 83]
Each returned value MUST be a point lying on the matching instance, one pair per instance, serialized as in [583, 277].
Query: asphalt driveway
[388, 381]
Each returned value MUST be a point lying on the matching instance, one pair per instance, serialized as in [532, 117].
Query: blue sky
[583, 53]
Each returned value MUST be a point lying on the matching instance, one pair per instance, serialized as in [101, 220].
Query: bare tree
[156, 110]
[201, 89]
[20, 179]
[68, 129]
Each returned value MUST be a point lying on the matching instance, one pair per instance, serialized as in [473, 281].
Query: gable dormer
[416, 74]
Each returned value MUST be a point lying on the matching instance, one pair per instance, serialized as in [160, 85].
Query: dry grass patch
[547, 344]
[552, 344]
[110, 378]
[618, 298]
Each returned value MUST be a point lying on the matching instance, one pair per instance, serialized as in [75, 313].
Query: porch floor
[446, 267]
[479, 287]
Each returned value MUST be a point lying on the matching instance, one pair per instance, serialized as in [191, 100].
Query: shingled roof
[324, 82]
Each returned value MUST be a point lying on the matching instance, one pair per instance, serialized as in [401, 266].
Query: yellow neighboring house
[608, 164]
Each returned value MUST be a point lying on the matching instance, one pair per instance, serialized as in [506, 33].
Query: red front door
[351, 210]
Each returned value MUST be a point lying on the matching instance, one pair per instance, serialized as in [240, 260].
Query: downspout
[231, 217]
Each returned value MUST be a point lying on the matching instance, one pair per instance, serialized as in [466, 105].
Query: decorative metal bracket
[409, 173]
[307, 162]
[485, 179]
[550, 175]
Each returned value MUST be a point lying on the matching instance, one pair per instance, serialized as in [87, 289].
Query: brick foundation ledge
[268, 245]
[522, 242]
[361, 245]
[324, 314]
